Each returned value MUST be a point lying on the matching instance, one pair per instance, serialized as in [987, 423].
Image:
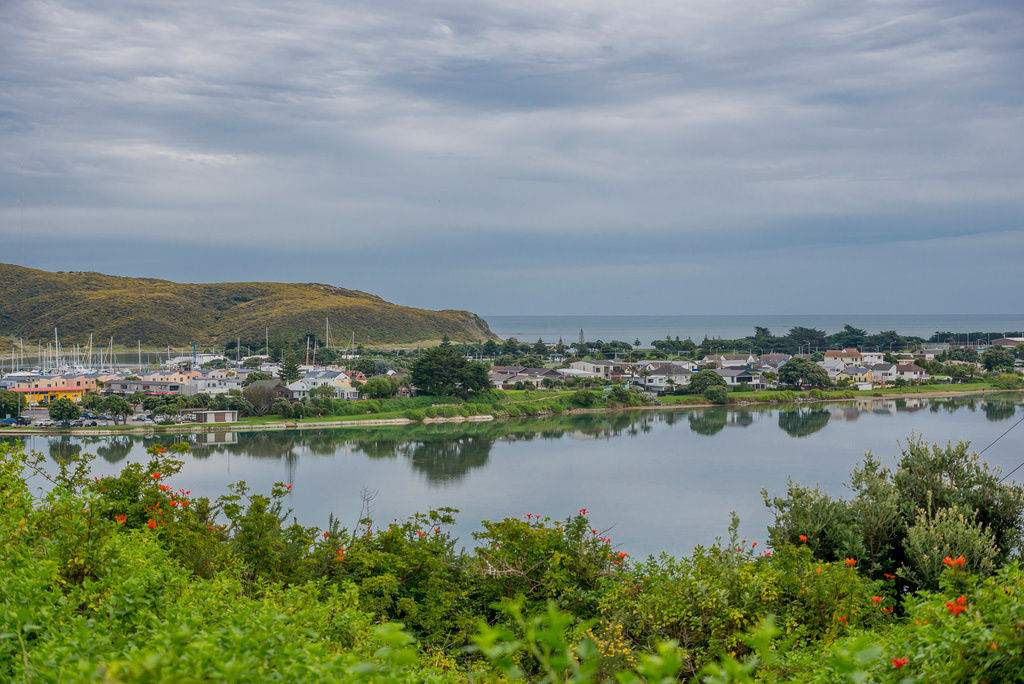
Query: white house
[667, 378]
[911, 372]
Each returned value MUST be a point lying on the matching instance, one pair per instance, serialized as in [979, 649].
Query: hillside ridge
[156, 311]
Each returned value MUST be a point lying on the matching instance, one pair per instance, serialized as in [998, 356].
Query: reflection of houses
[214, 438]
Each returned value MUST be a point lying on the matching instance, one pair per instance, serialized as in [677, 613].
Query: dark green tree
[118, 407]
[10, 403]
[443, 371]
[378, 388]
[803, 372]
[997, 359]
[289, 370]
[64, 410]
[255, 376]
[702, 380]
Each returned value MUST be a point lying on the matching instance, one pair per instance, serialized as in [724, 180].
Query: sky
[523, 157]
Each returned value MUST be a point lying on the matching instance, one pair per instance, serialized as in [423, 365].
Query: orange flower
[288, 487]
[899, 662]
[151, 524]
[954, 562]
[958, 607]
[327, 534]
[888, 576]
[121, 519]
[876, 599]
[851, 562]
[622, 554]
[754, 545]
[818, 570]
[887, 610]
[841, 618]
[157, 476]
[583, 511]
[803, 537]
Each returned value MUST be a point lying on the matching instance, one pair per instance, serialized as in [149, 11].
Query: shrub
[583, 398]
[414, 414]
[948, 533]
[717, 395]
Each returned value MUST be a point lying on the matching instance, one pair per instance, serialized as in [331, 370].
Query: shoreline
[195, 428]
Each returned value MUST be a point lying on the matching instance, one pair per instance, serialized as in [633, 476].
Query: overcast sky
[512, 156]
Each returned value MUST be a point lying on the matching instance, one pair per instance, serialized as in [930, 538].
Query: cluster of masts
[56, 358]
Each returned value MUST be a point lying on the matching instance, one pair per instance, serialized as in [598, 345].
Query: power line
[999, 438]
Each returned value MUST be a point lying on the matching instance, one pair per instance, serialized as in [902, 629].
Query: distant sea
[648, 328]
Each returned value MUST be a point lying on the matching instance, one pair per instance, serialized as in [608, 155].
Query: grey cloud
[532, 133]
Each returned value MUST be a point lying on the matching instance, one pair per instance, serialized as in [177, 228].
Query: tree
[117, 406]
[803, 372]
[490, 348]
[997, 358]
[255, 376]
[260, 397]
[539, 348]
[252, 362]
[289, 371]
[321, 392]
[10, 404]
[92, 402]
[136, 398]
[378, 388]
[64, 410]
[702, 380]
[443, 371]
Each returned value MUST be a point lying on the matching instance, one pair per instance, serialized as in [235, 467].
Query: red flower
[887, 610]
[954, 562]
[163, 449]
[888, 576]
[121, 519]
[288, 487]
[164, 488]
[326, 534]
[157, 476]
[876, 599]
[803, 537]
[753, 545]
[437, 530]
[622, 554]
[151, 524]
[958, 607]
[420, 532]
[899, 662]
[841, 618]
[584, 511]
[851, 562]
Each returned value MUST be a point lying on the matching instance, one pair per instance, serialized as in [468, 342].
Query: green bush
[414, 414]
[717, 394]
[1009, 381]
[874, 525]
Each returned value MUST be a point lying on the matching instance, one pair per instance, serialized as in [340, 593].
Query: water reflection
[446, 453]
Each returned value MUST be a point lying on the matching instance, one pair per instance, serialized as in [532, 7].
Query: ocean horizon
[627, 328]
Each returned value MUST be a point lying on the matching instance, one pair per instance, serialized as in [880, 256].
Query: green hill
[34, 302]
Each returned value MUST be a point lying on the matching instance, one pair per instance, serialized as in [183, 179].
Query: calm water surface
[659, 480]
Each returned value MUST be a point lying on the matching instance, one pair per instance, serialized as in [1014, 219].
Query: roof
[909, 367]
[46, 389]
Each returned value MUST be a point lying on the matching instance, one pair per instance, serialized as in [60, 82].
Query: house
[845, 356]
[884, 373]
[855, 374]
[928, 354]
[740, 376]
[1008, 342]
[911, 372]
[729, 360]
[606, 370]
[833, 367]
[126, 387]
[667, 378]
[773, 360]
[211, 385]
[275, 385]
[872, 358]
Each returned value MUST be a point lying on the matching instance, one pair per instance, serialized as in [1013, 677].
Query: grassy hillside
[163, 312]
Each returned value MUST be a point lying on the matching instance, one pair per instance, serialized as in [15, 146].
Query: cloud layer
[524, 157]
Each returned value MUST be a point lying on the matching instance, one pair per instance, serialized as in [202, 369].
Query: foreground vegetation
[130, 578]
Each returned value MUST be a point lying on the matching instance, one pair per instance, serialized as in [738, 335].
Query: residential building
[845, 356]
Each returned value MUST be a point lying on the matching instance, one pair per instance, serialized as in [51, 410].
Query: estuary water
[657, 480]
[648, 328]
